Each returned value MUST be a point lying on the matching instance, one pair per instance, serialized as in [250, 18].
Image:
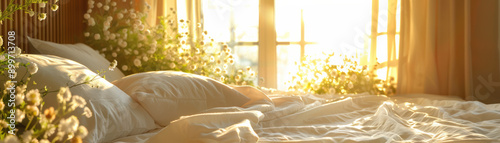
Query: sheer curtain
[381, 50]
[156, 8]
[449, 47]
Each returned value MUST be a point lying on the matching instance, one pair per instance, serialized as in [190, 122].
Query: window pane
[383, 8]
[382, 48]
[337, 22]
[398, 16]
[383, 15]
[287, 20]
[181, 10]
[317, 50]
[247, 56]
[230, 20]
[287, 56]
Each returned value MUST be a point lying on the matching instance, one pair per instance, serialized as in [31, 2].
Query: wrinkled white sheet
[359, 118]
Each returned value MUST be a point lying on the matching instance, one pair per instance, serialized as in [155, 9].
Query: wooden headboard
[63, 26]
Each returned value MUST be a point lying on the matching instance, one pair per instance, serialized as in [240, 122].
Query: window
[236, 23]
[316, 27]
[301, 28]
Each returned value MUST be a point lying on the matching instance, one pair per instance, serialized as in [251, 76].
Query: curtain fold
[431, 48]
[441, 48]
[392, 49]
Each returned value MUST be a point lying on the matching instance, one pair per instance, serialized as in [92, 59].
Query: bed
[169, 106]
[359, 118]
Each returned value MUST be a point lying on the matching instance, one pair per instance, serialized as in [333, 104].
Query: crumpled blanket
[359, 118]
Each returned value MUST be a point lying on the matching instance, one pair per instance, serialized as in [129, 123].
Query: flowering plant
[124, 35]
[22, 119]
[12, 7]
[321, 76]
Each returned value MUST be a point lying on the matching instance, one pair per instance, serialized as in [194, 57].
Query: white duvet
[359, 118]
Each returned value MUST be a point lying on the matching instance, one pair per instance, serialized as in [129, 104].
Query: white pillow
[168, 95]
[79, 52]
[115, 114]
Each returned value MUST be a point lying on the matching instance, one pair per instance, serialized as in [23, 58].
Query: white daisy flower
[119, 15]
[19, 98]
[124, 67]
[64, 94]
[82, 132]
[99, 5]
[9, 84]
[32, 110]
[33, 68]
[68, 125]
[353, 77]
[27, 135]
[54, 7]
[79, 101]
[172, 65]
[19, 115]
[33, 97]
[112, 36]
[31, 13]
[86, 16]
[17, 52]
[42, 16]
[91, 21]
[11, 139]
[123, 44]
[3, 124]
[87, 112]
[137, 63]
[97, 36]
[113, 64]
[44, 141]
[42, 4]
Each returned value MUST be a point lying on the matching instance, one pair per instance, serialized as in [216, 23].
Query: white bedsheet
[360, 118]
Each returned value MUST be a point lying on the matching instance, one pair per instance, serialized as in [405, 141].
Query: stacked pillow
[80, 53]
[115, 114]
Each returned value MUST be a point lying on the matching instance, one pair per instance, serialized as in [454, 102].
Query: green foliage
[26, 7]
[322, 76]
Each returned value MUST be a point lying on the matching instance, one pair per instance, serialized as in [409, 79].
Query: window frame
[267, 42]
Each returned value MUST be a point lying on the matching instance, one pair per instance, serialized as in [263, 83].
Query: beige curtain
[444, 45]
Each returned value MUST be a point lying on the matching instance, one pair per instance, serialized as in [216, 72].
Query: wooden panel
[62, 26]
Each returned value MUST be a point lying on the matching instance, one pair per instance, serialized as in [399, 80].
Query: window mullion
[267, 45]
[302, 36]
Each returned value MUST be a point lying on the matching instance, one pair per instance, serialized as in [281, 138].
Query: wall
[485, 50]
[63, 26]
